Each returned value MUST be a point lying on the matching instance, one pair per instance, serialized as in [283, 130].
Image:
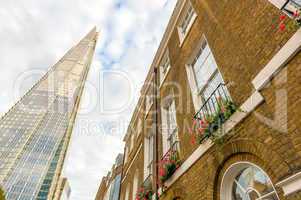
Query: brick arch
[243, 150]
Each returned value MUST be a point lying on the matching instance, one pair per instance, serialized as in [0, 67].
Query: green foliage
[212, 123]
[144, 194]
[169, 165]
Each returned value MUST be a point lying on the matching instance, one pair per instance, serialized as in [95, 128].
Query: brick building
[109, 188]
[218, 116]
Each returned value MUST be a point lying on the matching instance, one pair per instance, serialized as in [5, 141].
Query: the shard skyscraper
[35, 132]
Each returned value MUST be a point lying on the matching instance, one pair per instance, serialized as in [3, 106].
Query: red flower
[296, 14]
[282, 27]
[162, 172]
[201, 130]
[194, 122]
[193, 140]
[282, 17]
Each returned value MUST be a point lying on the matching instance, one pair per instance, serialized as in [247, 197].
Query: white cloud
[35, 34]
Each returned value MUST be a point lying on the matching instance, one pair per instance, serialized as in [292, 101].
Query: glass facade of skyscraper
[34, 133]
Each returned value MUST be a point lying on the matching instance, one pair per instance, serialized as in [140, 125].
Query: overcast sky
[34, 34]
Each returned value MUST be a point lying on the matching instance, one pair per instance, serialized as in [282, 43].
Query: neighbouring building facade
[36, 131]
[63, 191]
[109, 188]
[218, 116]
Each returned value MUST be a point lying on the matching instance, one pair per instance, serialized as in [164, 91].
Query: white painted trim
[164, 78]
[231, 173]
[148, 110]
[247, 107]
[193, 87]
[291, 184]
[183, 37]
[282, 57]
[277, 3]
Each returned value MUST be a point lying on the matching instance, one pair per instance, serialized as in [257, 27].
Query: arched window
[246, 181]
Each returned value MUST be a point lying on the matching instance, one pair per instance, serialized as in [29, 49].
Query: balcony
[216, 109]
[145, 191]
[170, 162]
[148, 182]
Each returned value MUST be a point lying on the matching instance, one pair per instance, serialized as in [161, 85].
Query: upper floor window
[164, 67]
[127, 193]
[132, 141]
[186, 21]
[139, 126]
[169, 124]
[135, 185]
[203, 74]
[148, 155]
[149, 100]
[126, 154]
[288, 6]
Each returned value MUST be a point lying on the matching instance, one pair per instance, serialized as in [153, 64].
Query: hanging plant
[292, 24]
[169, 165]
[207, 126]
[144, 194]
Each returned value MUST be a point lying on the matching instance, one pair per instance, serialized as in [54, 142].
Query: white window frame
[169, 134]
[188, 18]
[139, 126]
[148, 155]
[126, 154]
[127, 193]
[132, 142]
[164, 67]
[135, 184]
[284, 4]
[230, 175]
[149, 100]
[197, 90]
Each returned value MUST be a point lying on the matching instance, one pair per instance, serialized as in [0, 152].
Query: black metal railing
[148, 182]
[170, 162]
[146, 190]
[174, 148]
[211, 104]
[291, 6]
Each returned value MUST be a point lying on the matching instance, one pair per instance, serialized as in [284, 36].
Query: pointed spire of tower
[34, 148]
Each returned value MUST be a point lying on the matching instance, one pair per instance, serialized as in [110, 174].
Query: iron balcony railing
[174, 148]
[211, 104]
[291, 6]
[148, 182]
[150, 168]
[170, 162]
[215, 110]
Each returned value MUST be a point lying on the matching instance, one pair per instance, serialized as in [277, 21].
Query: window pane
[253, 184]
[238, 193]
[212, 85]
[292, 6]
[204, 67]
